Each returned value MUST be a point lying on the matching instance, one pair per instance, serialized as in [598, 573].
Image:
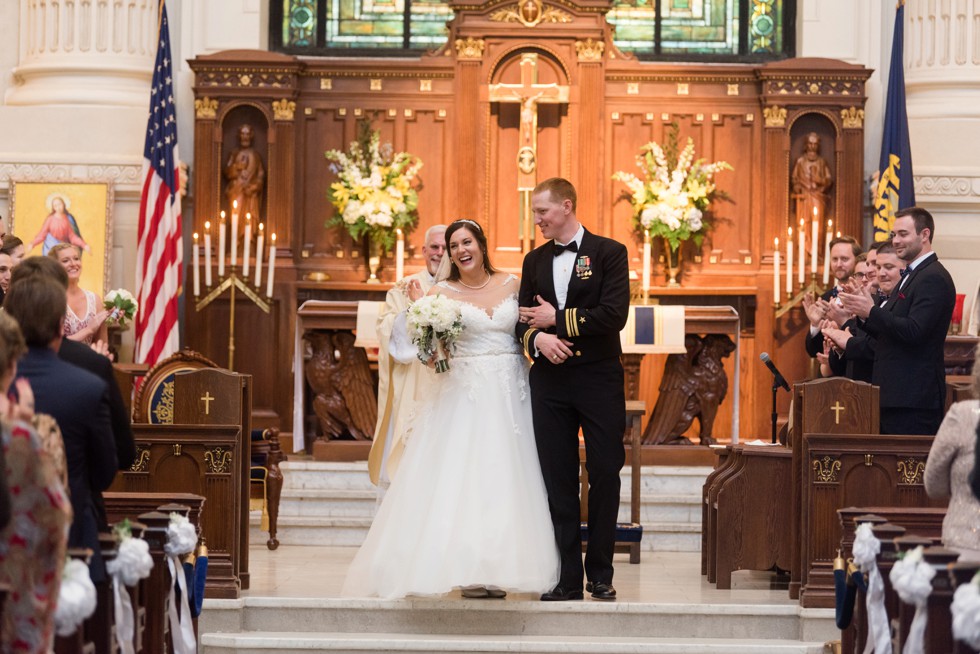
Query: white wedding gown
[468, 504]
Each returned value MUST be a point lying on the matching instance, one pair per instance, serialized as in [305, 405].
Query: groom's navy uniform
[586, 391]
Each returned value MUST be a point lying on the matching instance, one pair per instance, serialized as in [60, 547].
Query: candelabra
[231, 282]
[793, 300]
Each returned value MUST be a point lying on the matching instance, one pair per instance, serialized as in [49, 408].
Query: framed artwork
[43, 214]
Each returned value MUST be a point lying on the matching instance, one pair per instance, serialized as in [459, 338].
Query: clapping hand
[815, 308]
[414, 290]
[857, 302]
[839, 337]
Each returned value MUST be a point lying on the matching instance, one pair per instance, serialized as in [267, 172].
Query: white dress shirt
[562, 268]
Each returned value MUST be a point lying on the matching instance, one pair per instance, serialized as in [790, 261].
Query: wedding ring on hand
[555, 357]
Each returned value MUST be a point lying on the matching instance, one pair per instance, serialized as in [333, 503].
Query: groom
[574, 301]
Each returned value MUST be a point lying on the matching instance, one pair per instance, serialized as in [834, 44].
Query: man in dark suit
[910, 330]
[844, 251]
[574, 301]
[76, 399]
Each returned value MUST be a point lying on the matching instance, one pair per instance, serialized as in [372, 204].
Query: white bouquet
[434, 323]
[122, 304]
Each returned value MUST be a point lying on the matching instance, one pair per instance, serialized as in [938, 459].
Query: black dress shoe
[559, 594]
[601, 591]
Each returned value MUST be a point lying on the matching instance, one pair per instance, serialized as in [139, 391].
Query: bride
[468, 508]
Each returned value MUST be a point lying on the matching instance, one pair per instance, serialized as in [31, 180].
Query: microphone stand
[775, 387]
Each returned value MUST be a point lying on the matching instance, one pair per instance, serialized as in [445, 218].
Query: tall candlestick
[234, 233]
[207, 254]
[826, 253]
[221, 245]
[801, 238]
[789, 262]
[399, 255]
[197, 267]
[814, 236]
[248, 245]
[272, 264]
[775, 270]
[258, 256]
[646, 265]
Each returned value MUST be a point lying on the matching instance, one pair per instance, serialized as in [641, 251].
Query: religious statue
[245, 174]
[693, 386]
[343, 390]
[811, 180]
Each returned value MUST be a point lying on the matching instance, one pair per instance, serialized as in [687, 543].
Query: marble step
[346, 643]
[263, 624]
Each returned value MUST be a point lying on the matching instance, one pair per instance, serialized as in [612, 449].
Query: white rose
[694, 219]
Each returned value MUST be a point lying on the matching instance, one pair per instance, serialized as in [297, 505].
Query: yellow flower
[341, 194]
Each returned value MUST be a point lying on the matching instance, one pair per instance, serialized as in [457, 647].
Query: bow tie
[557, 249]
[905, 272]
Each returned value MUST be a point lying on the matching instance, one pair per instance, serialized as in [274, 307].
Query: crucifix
[529, 94]
[206, 398]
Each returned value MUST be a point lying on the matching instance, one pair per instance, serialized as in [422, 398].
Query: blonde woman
[85, 319]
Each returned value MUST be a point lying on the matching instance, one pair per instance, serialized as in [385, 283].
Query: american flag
[159, 251]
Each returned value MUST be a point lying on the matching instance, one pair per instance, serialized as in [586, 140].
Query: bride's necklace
[476, 288]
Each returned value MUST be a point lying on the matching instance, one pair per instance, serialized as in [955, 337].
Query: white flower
[76, 598]
[693, 218]
[133, 561]
[966, 614]
[181, 535]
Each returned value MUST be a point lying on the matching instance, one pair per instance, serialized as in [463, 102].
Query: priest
[398, 366]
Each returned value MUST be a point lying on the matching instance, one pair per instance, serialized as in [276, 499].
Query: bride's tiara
[470, 222]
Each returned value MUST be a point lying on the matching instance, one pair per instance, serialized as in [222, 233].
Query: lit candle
[826, 253]
[801, 238]
[258, 256]
[234, 233]
[207, 254]
[197, 267]
[272, 264]
[789, 263]
[775, 270]
[248, 245]
[814, 236]
[646, 265]
[221, 245]
[399, 255]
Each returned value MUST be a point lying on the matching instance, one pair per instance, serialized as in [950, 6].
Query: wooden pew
[156, 588]
[851, 470]
[723, 455]
[750, 502]
[203, 460]
[731, 465]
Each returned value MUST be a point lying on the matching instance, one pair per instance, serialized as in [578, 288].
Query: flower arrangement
[374, 193]
[434, 323]
[670, 199]
[122, 304]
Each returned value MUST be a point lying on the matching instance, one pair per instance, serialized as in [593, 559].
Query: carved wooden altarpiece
[597, 107]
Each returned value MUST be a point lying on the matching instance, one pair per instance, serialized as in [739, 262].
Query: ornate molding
[910, 471]
[589, 50]
[283, 109]
[206, 108]
[142, 461]
[852, 117]
[814, 87]
[825, 470]
[218, 460]
[944, 185]
[530, 13]
[244, 78]
[470, 48]
[775, 116]
[26, 172]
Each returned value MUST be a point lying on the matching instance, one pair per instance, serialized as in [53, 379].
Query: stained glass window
[733, 30]
[704, 29]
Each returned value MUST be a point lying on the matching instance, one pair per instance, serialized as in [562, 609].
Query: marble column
[85, 52]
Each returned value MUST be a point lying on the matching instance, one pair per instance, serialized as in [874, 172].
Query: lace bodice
[486, 330]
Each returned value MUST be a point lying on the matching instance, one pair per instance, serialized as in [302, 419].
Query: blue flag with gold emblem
[895, 189]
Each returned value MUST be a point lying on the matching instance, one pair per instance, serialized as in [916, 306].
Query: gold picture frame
[37, 219]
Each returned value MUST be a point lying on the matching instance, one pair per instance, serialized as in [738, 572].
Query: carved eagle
[344, 397]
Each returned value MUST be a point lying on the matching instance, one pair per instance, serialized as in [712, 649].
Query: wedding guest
[399, 368]
[85, 319]
[951, 461]
[910, 330]
[32, 546]
[75, 398]
[14, 247]
[844, 251]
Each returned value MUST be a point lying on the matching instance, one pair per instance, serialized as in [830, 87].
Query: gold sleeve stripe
[527, 339]
[571, 322]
